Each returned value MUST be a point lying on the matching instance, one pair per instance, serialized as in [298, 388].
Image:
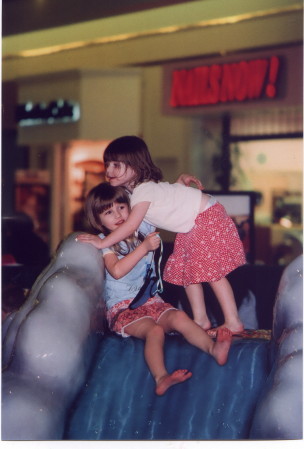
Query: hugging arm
[126, 229]
[120, 267]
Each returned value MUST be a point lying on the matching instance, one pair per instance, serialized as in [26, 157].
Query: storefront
[234, 121]
[64, 122]
[247, 127]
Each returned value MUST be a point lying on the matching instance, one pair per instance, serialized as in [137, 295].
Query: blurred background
[213, 86]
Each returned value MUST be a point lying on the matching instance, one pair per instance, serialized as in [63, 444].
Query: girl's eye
[113, 164]
[108, 212]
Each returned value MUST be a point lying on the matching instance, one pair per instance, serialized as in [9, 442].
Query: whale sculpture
[49, 342]
[279, 414]
[53, 352]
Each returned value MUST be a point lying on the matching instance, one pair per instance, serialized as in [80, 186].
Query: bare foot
[235, 328]
[222, 345]
[167, 381]
[204, 324]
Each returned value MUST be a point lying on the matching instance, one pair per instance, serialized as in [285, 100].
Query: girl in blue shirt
[107, 207]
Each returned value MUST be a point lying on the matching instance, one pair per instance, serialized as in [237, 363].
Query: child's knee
[178, 318]
[156, 331]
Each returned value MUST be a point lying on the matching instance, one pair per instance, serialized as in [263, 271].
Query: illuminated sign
[58, 111]
[242, 81]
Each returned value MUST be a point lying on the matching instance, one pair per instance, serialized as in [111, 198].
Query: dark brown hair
[100, 199]
[133, 151]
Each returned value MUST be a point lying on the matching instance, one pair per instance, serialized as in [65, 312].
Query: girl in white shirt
[107, 208]
[207, 246]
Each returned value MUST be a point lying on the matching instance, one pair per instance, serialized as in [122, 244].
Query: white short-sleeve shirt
[173, 207]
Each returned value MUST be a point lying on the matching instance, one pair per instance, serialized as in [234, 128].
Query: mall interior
[76, 77]
[214, 87]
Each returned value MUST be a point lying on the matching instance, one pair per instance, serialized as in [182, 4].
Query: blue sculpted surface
[48, 344]
[51, 389]
[280, 411]
[216, 403]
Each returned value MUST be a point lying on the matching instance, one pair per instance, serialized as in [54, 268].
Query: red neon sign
[223, 83]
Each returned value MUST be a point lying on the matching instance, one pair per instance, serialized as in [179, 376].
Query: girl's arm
[136, 216]
[120, 267]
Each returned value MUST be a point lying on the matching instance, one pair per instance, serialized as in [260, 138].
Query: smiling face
[115, 216]
[120, 174]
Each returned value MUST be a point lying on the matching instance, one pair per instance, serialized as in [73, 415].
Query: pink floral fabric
[208, 252]
[120, 316]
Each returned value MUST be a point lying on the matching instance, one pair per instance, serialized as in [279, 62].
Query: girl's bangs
[105, 205]
[112, 156]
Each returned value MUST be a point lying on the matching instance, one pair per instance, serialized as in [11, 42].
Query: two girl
[207, 245]
[107, 209]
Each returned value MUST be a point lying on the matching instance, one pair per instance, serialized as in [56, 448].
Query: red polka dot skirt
[208, 252]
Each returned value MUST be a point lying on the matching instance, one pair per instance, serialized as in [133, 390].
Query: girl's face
[113, 217]
[120, 174]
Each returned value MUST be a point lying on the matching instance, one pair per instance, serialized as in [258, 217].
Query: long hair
[100, 199]
[133, 151]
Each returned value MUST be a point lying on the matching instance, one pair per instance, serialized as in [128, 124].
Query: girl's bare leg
[195, 294]
[153, 334]
[225, 296]
[195, 335]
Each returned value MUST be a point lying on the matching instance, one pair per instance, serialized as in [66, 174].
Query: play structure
[65, 377]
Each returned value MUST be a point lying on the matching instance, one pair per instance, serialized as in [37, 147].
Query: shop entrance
[273, 169]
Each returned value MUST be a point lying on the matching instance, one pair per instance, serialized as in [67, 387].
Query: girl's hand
[152, 241]
[186, 180]
[91, 239]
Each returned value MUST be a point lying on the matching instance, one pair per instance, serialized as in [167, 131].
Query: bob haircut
[100, 199]
[133, 151]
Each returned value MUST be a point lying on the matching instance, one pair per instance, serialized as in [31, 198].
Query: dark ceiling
[21, 16]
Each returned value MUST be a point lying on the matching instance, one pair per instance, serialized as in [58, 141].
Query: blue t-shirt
[127, 287]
